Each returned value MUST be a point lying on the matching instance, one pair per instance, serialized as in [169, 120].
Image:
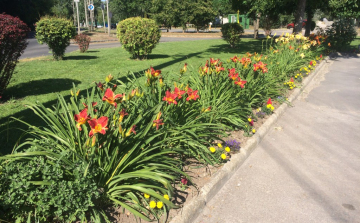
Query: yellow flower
[212, 149]
[249, 119]
[227, 149]
[219, 145]
[146, 196]
[253, 130]
[223, 156]
[152, 204]
[159, 204]
[166, 197]
[302, 55]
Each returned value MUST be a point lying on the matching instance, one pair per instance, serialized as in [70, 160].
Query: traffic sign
[91, 7]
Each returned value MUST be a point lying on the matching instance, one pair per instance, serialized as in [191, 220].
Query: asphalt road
[34, 49]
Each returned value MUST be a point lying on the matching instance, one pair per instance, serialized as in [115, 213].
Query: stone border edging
[192, 210]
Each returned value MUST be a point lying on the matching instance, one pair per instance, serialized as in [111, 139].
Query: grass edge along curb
[192, 210]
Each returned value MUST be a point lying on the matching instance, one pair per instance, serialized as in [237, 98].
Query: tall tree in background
[164, 12]
[299, 16]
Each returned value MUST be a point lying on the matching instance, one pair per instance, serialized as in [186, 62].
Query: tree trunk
[310, 15]
[256, 26]
[299, 16]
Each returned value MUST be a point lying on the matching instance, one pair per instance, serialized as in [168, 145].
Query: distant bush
[83, 40]
[56, 33]
[341, 34]
[138, 35]
[231, 33]
[13, 33]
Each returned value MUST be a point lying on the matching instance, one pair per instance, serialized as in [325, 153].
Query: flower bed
[134, 144]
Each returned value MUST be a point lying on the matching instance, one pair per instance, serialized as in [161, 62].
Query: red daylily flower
[192, 95]
[170, 98]
[111, 98]
[234, 59]
[131, 130]
[214, 62]
[320, 55]
[232, 74]
[311, 63]
[240, 82]
[269, 102]
[178, 92]
[291, 79]
[260, 66]
[98, 125]
[81, 118]
[100, 85]
[123, 113]
[158, 121]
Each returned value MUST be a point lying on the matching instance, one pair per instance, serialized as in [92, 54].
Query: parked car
[99, 26]
[113, 26]
[291, 25]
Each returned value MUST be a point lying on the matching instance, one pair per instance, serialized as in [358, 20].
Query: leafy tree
[164, 12]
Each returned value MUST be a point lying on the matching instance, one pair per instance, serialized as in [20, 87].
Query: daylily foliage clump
[137, 134]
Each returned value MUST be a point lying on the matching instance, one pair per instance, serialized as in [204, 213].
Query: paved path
[307, 169]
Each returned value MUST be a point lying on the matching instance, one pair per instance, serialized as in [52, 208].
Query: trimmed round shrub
[231, 33]
[83, 40]
[138, 36]
[13, 42]
[56, 33]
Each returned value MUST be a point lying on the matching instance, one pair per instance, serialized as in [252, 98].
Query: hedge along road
[34, 49]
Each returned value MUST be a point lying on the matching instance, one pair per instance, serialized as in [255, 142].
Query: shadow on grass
[157, 56]
[10, 130]
[39, 87]
[243, 47]
[81, 57]
[92, 51]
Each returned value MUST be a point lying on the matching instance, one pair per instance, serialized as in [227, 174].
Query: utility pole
[109, 25]
[86, 15]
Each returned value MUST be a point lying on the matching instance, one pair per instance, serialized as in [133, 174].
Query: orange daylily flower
[81, 118]
[152, 73]
[158, 121]
[218, 69]
[98, 125]
[111, 98]
[240, 82]
[192, 95]
[170, 98]
[178, 92]
[260, 66]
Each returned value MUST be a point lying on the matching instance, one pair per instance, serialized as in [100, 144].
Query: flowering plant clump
[233, 144]
[268, 108]
[290, 84]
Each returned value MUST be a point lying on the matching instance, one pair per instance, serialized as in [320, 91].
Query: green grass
[42, 80]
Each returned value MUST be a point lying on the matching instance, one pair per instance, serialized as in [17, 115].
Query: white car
[99, 26]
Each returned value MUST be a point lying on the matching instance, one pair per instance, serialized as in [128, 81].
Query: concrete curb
[192, 210]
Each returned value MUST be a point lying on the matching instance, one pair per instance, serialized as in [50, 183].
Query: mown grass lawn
[42, 80]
